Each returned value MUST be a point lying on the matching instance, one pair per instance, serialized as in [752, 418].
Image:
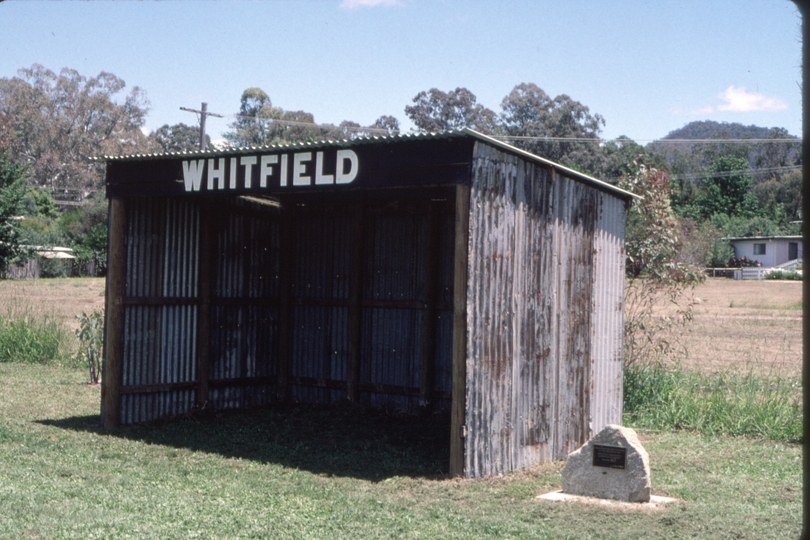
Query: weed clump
[665, 397]
[31, 337]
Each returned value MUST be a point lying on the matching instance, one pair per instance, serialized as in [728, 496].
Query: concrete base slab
[656, 501]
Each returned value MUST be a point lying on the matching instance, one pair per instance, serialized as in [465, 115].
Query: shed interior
[316, 297]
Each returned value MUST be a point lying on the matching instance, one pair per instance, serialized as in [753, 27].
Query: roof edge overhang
[466, 132]
[600, 184]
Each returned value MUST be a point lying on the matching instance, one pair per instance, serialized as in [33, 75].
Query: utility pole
[203, 114]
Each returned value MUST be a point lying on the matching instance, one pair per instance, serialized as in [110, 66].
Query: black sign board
[302, 169]
[612, 457]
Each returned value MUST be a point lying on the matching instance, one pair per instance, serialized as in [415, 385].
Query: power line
[726, 174]
[309, 124]
[628, 140]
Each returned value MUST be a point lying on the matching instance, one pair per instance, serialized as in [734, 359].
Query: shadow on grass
[338, 441]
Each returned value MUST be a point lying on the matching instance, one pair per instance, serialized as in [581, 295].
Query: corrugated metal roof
[760, 238]
[465, 132]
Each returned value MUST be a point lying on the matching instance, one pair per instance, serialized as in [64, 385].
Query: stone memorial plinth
[612, 465]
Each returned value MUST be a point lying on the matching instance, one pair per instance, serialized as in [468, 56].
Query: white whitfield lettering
[216, 173]
[248, 162]
[283, 173]
[266, 169]
[232, 174]
[299, 168]
[321, 178]
[192, 174]
[294, 169]
[341, 175]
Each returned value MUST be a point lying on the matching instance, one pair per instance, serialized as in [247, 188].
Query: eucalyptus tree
[56, 122]
[560, 129]
[435, 110]
[177, 138]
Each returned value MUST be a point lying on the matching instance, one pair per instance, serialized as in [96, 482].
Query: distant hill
[691, 160]
[709, 129]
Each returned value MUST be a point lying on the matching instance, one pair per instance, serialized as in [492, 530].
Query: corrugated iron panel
[322, 252]
[319, 351]
[240, 395]
[160, 343]
[150, 406]
[576, 216]
[243, 341]
[443, 375]
[607, 359]
[530, 313]
[244, 317]
[489, 315]
[395, 257]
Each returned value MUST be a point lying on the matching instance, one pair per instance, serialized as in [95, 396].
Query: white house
[770, 251]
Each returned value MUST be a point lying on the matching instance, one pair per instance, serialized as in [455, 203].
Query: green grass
[670, 398]
[306, 472]
[33, 337]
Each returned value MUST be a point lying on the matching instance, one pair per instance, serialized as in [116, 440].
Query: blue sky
[648, 67]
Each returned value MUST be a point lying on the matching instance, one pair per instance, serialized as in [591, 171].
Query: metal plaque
[612, 457]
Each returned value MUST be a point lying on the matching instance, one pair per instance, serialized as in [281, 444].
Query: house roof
[361, 141]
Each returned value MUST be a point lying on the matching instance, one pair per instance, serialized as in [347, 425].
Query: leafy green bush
[664, 397]
[784, 274]
[33, 338]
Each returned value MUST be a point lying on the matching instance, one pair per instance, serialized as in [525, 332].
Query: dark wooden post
[206, 270]
[431, 278]
[804, 8]
[114, 310]
[285, 266]
[458, 406]
[355, 304]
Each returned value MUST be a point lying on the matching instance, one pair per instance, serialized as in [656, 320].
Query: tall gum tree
[56, 122]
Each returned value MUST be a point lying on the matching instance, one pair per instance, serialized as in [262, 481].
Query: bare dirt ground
[746, 325]
[738, 325]
[65, 297]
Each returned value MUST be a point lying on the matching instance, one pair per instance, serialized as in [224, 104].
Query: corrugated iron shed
[449, 271]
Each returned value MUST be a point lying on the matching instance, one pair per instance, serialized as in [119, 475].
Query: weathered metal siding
[607, 359]
[160, 318]
[320, 290]
[393, 272]
[244, 317]
[530, 309]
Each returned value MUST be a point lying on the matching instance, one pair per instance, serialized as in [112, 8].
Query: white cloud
[353, 4]
[739, 100]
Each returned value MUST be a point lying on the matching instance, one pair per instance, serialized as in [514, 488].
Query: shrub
[784, 274]
[91, 340]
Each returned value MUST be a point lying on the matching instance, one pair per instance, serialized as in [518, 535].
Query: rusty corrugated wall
[607, 358]
[531, 303]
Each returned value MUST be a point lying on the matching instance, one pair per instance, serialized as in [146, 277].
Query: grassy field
[305, 472]
[312, 473]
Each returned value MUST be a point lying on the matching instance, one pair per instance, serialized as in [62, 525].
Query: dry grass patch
[742, 326]
[62, 297]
